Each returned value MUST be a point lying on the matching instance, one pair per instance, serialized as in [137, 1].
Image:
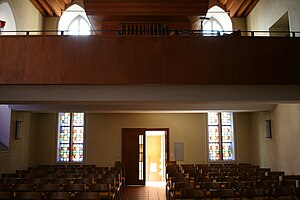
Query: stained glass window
[141, 157]
[220, 136]
[70, 137]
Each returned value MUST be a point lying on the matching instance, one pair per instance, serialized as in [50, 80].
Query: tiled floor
[150, 192]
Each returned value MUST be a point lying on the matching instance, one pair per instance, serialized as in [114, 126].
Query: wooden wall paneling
[146, 8]
[47, 7]
[55, 60]
[38, 6]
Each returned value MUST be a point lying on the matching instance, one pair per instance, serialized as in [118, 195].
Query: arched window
[6, 14]
[74, 21]
[79, 26]
[212, 25]
[216, 20]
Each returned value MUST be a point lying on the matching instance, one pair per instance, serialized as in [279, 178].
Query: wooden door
[133, 156]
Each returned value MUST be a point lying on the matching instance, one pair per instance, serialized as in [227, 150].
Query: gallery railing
[158, 32]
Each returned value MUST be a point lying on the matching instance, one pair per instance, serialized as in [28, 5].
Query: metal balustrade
[157, 30]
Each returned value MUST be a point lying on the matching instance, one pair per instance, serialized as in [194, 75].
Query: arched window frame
[79, 31]
[213, 30]
[216, 15]
[73, 13]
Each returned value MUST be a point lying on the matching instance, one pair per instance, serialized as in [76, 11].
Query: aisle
[152, 191]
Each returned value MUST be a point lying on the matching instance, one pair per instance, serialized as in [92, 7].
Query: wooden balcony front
[178, 59]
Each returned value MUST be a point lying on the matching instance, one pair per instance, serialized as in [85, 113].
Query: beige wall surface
[242, 137]
[263, 148]
[103, 137]
[22, 151]
[27, 17]
[281, 151]
[104, 130]
[267, 12]
[46, 138]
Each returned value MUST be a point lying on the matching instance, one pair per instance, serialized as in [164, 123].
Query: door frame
[144, 147]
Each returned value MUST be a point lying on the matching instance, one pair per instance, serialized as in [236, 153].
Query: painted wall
[22, 152]
[104, 135]
[267, 12]
[5, 116]
[281, 151]
[38, 142]
[242, 128]
[27, 17]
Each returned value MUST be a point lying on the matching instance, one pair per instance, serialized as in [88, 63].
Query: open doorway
[155, 157]
[144, 154]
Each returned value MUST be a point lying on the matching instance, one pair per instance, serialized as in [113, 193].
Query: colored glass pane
[226, 133]
[227, 151]
[78, 119]
[77, 153]
[226, 118]
[64, 135]
[141, 157]
[77, 134]
[213, 118]
[214, 151]
[64, 119]
[213, 132]
[64, 152]
[224, 129]
[71, 131]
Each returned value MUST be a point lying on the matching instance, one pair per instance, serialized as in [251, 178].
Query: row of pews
[64, 182]
[229, 181]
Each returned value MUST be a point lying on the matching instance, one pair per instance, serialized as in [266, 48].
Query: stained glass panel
[64, 119]
[224, 129]
[77, 134]
[227, 151]
[213, 118]
[71, 132]
[78, 119]
[214, 151]
[64, 152]
[226, 118]
[77, 153]
[213, 132]
[64, 135]
[226, 134]
[141, 157]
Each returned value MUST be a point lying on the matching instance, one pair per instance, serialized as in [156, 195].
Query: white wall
[281, 152]
[27, 17]
[267, 12]
[7, 15]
